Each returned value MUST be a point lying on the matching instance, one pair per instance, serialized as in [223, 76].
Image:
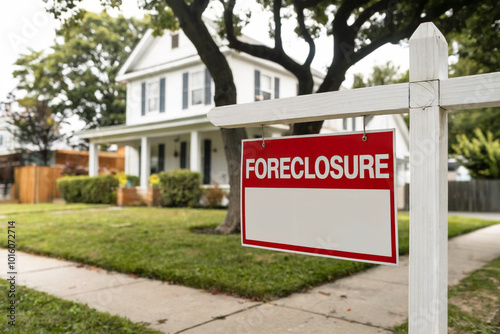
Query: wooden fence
[475, 195]
[472, 196]
[36, 184]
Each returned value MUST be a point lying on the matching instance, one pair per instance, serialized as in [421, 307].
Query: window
[153, 96]
[196, 88]
[175, 41]
[1, 140]
[153, 90]
[264, 87]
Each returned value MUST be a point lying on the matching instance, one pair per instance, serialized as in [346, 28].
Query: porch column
[132, 160]
[145, 162]
[93, 159]
[195, 153]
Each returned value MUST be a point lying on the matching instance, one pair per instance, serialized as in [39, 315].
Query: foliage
[180, 188]
[76, 77]
[72, 169]
[38, 312]
[481, 155]
[90, 55]
[381, 75]
[85, 189]
[176, 254]
[71, 187]
[37, 125]
[476, 43]
[213, 197]
[133, 181]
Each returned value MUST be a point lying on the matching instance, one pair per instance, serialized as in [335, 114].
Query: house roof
[124, 133]
[127, 71]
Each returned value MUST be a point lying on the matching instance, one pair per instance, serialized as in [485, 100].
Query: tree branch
[278, 43]
[305, 34]
[369, 12]
[276, 54]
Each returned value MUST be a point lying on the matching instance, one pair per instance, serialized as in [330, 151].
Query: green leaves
[481, 155]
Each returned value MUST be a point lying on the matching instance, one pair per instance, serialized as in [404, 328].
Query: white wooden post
[145, 162]
[93, 159]
[428, 298]
[195, 152]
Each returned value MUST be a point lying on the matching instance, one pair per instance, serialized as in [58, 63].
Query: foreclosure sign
[325, 195]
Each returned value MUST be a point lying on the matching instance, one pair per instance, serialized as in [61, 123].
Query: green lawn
[158, 243]
[38, 312]
[474, 304]
[11, 209]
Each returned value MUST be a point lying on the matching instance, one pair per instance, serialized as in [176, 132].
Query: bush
[85, 189]
[180, 187]
[481, 155]
[212, 197]
[71, 187]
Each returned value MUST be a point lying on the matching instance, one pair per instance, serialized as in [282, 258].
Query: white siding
[160, 51]
[244, 78]
[173, 98]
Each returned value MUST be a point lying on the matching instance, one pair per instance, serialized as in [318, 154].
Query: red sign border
[359, 257]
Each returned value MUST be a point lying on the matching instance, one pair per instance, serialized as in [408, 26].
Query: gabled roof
[127, 71]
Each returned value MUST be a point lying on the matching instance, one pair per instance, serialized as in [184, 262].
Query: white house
[170, 91]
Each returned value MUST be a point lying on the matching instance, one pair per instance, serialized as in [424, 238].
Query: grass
[474, 304]
[12, 209]
[38, 312]
[157, 243]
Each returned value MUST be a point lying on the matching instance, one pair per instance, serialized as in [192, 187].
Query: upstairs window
[153, 93]
[196, 88]
[153, 96]
[265, 87]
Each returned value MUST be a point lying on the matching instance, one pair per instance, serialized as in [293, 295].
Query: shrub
[71, 187]
[212, 197]
[100, 190]
[481, 154]
[85, 189]
[180, 187]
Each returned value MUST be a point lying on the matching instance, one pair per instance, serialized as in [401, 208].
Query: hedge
[85, 189]
[180, 188]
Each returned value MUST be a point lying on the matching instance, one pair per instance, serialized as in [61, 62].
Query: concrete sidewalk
[373, 301]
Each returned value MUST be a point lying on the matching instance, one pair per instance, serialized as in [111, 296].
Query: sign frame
[388, 259]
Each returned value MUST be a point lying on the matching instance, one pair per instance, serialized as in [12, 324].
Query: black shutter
[257, 86]
[162, 95]
[143, 98]
[207, 161]
[183, 155]
[185, 78]
[208, 87]
[161, 157]
[276, 88]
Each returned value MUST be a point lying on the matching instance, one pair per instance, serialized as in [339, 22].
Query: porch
[189, 143]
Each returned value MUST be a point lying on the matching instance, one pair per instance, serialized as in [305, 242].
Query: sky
[25, 24]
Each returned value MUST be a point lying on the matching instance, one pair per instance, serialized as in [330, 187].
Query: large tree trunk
[232, 147]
